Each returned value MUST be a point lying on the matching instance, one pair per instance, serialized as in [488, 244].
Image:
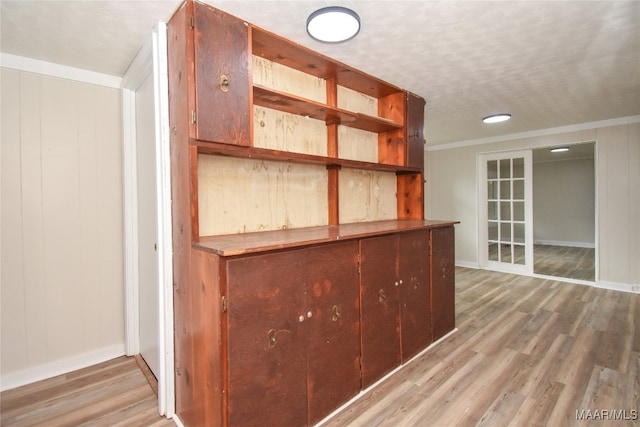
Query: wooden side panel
[391, 144]
[442, 281]
[267, 380]
[333, 348]
[414, 292]
[203, 327]
[410, 196]
[222, 54]
[415, 131]
[380, 308]
[189, 405]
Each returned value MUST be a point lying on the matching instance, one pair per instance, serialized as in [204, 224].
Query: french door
[505, 214]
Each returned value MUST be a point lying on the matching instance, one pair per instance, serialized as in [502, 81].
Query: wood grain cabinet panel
[415, 131]
[413, 259]
[442, 281]
[293, 335]
[380, 310]
[394, 286]
[222, 96]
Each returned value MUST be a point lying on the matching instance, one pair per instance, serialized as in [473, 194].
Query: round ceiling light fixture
[333, 24]
[497, 118]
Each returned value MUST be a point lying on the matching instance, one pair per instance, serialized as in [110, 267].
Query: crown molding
[541, 132]
[30, 65]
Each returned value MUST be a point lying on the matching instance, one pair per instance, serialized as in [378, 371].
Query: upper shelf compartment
[277, 49]
[277, 100]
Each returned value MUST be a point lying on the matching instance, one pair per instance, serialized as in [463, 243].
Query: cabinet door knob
[336, 313]
[309, 314]
[224, 83]
[382, 296]
[272, 338]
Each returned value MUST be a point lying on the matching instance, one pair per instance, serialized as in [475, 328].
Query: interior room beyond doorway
[564, 212]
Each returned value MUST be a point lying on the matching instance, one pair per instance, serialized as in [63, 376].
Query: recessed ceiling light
[559, 149]
[333, 24]
[497, 118]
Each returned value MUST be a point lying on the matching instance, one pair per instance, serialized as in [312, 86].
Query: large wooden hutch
[304, 269]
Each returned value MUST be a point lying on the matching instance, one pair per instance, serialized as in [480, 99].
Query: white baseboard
[467, 264]
[623, 287]
[569, 244]
[177, 421]
[59, 367]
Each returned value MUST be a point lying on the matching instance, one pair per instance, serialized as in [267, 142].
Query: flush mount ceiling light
[333, 24]
[559, 149]
[497, 118]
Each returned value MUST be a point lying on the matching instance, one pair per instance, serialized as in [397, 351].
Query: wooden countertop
[246, 243]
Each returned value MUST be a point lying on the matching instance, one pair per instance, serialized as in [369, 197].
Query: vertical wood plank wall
[451, 193]
[62, 268]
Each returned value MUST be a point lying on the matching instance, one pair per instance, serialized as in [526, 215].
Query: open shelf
[277, 49]
[205, 147]
[277, 100]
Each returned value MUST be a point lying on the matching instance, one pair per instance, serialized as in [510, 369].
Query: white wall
[62, 266]
[450, 193]
[564, 206]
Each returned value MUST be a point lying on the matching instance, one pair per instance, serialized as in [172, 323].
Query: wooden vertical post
[332, 151]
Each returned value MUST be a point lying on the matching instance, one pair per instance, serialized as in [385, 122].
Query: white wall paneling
[62, 305]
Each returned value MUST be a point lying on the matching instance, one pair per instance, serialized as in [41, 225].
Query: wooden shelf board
[276, 100]
[205, 147]
[277, 49]
[247, 243]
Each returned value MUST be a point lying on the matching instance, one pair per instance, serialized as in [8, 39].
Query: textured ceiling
[548, 63]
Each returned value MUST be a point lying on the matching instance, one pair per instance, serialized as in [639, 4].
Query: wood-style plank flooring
[114, 393]
[565, 261]
[528, 352]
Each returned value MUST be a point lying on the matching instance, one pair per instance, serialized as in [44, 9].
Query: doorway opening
[564, 206]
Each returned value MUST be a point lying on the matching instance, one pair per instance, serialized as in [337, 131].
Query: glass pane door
[505, 213]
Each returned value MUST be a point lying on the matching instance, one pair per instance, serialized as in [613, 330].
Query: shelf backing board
[278, 130]
[244, 195]
[247, 195]
[367, 196]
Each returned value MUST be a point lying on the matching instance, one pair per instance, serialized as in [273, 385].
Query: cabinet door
[333, 344]
[414, 292]
[380, 310]
[221, 77]
[442, 281]
[266, 339]
[415, 131]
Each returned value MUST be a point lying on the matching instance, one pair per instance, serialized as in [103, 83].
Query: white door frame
[151, 59]
[481, 168]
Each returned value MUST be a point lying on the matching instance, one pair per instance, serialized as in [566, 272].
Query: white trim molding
[130, 221]
[568, 244]
[59, 367]
[531, 134]
[166, 382]
[37, 66]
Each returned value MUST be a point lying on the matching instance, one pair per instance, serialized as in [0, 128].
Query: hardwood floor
[114, 393]
[565, 261]
[528, 352]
